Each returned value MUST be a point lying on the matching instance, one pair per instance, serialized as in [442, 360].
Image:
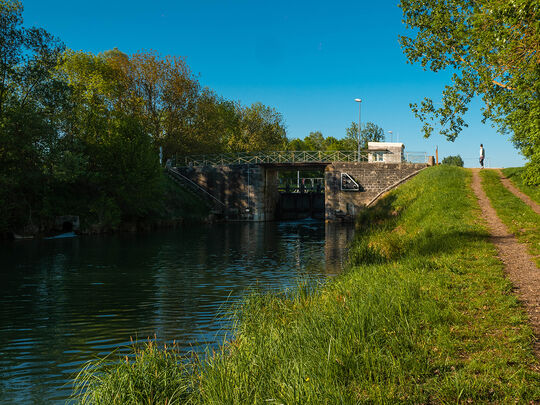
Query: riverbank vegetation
[520, 219]
[423, 314]
[515, 174]
[81, 133]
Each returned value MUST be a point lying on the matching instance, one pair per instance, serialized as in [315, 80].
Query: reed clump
[422, 315]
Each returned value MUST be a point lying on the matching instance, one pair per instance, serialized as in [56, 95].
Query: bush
[453, 161]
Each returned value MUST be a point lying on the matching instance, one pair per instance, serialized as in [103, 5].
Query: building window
[378, 156]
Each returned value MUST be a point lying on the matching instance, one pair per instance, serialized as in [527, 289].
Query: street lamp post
[359, 101]
[391, 136]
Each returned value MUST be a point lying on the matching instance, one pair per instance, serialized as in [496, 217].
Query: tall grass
[422, 315]
[522, 221]
[514, 174]
[150, 375]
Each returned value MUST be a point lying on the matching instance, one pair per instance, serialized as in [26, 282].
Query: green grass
[514, 174]
[424, 314]
[520, 219]
[149, 376]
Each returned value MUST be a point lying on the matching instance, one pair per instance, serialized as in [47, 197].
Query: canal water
[66, 301]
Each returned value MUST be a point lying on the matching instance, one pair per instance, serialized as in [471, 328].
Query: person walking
[482, 156]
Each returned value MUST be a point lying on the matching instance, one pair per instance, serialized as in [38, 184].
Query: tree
[216, 124]
[333, 144]
[314, 141]
[453, 161]
[261, 128]
[296, 145]
[493, 48]
[29, 100]
[162, 92]
[370, 133]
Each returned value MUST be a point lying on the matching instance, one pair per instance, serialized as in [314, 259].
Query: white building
[386, 152]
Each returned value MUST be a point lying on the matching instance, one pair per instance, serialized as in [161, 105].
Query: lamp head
[358, 100]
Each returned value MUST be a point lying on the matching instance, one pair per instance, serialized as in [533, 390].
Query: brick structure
[372, 179]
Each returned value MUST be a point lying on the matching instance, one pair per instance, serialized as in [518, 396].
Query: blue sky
[307, 59]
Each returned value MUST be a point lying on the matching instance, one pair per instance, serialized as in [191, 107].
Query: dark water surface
[65, 301]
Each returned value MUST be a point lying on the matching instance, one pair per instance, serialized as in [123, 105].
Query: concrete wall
[372, 178]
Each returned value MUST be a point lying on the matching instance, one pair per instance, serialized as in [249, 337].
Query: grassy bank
[423, 315]
[520, 219]
[514, 174]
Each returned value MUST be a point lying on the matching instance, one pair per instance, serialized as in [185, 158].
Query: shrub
[453, 161]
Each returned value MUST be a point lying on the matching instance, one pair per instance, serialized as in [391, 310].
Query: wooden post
[437, 155]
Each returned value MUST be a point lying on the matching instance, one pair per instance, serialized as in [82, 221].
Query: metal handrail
[286, 157]
[272, 157]
[177, 173]
[415, 157]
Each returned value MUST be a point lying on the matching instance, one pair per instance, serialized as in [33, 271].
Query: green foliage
[80, 133]
[428, 319]
[493, 48]
[316, 141]
[261, 128]
[126, 167]
[531, 174]
[147, 376]
[370, 133]
[453, 161]
[166, 98]
[515, 174]
[28, 101]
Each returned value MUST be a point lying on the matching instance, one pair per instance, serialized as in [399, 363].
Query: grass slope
[516, 215]
[514, 174]
[423, 315]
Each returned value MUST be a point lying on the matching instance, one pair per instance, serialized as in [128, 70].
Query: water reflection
[65, 301]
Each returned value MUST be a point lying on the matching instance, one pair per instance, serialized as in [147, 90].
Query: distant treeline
[80, 133]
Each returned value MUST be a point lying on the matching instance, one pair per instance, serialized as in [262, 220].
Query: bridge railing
[271, 157]
[415, 157]
[285, 157]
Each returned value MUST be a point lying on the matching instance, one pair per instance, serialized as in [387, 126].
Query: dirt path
[519, 265]
[524, 197]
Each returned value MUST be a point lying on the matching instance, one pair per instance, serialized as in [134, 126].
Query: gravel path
[526, 199]
[519, 265]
